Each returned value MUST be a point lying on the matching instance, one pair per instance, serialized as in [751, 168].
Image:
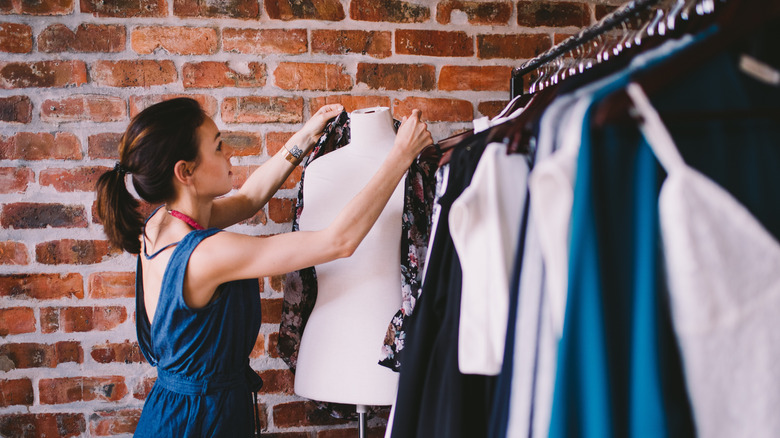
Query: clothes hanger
[736, 21]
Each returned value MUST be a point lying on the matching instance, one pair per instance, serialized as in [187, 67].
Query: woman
[197, 297]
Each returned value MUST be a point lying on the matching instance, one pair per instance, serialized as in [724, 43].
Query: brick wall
[73, 73]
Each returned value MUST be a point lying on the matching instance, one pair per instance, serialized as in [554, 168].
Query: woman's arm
[230, 256]
[266, 179]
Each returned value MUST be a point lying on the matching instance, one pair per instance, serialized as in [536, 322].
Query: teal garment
[204, 385]
[618, 367]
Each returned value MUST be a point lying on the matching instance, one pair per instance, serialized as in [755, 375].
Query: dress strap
[654, 131]
[143, 238]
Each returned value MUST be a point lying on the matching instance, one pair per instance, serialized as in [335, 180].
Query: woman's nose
[228, 150]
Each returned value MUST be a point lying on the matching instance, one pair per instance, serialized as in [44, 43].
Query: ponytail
[118, 211]
[156, 139]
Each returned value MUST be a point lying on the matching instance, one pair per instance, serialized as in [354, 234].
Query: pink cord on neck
[188, 220]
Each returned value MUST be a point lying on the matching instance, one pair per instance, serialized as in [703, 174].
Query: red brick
[323, 10]
[377, 44]
[560, 37]
[15, 109]
[126, 352]
[104, 145]
[50, 319]
[74, 252]
[273, 343]
[433, 43]
[82, 319]
[40, 146]
[75, 389]
[84, 108]
[397, 76]
[491, 108]
[302, 413]
[142, 388]
[112, 285]
[55, 7]
[435, 110]
[349, 102]
[79, 179]
[174, 40]
[277, 282]
[309, 76]
[275, 141]
[89, 38]
[260, 218]
[15, 38]
[25, 215]
[480, 13]
[243, 143]
[136, 73]
[139, 103]
[243, 9]
[123, 8]
[213, 74]
[43, 74]
[259, 349]
[534, 13]
[281, 210]
[107, 423]
[85, 319]
[260, 109]
[265, 41]
[16, 320]
[13, 253]
[603, 10]
[476, 78]
[27, 355]
[277, 382]
[69, 351]
[15, 179]
[42, 425]
[520, 46]
[16, 392]
[394, 11]
[31, 355]
[272, 310]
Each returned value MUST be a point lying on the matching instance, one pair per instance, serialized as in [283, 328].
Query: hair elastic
[121, 169]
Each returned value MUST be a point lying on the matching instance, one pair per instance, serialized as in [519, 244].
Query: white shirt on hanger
[484, 225]
[723, 270]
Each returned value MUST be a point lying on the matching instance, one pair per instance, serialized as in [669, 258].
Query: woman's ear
[182, 170]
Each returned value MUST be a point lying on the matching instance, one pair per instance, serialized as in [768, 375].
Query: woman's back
[202, 355]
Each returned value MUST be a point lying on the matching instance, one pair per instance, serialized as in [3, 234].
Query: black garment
[434, 398]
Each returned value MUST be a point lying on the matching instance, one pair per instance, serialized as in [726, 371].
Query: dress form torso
[357, 296]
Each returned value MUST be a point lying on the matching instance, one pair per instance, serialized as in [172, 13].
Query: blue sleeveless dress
[204, 383]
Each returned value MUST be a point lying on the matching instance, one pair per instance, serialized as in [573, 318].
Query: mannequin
[357, 296]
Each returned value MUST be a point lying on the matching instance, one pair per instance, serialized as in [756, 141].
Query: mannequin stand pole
[361, 410]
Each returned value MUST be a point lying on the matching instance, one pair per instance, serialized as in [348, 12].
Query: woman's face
[212, 173]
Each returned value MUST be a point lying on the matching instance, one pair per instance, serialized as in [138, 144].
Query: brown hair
[156, 139]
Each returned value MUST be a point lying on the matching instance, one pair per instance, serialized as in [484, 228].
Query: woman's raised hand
[316, 124]
[413, 135]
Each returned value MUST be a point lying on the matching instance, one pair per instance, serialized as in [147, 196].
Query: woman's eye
[219, 146]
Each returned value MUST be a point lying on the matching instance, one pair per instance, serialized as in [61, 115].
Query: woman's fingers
[331, 108]
[414, 134]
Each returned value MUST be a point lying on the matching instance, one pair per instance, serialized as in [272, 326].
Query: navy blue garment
[204, 384]
[499, 415]
[434, 398]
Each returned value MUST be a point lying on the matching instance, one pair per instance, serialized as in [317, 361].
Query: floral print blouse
[300, 287]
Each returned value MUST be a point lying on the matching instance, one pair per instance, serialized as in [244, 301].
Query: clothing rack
[607, 23]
